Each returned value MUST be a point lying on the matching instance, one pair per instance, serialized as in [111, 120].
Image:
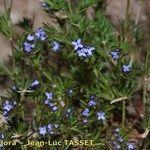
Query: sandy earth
[21, 9]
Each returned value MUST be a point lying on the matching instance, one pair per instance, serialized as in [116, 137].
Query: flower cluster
[34, 85]
[48, 101]
[81, 50]
[119, 140]
[85, 114]
[115, 54]
[29, 43]
[8, 106]
[92, 103]
[47, 129]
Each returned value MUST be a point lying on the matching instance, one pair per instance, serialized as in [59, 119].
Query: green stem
[13, 55]
[127, 16]
[145, 80]
[69, 5]
[123, 112]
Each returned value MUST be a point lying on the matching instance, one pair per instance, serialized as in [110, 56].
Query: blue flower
[34, 85]
[115, 54]
[77, 44]
[42, 130]
[54, 108]
[55, 46]
[2, 136]
[50, 104]
[49, 95]
[30, 37]
[7, 107]
[46, 102]
[120, 139]
[116, 146]
[85, 52]
[81, 52]
[92, 97]
[44, 5]
[101, 116]
[27, 47]
[92, 103]
[49, 127]
[130, 146]
[126, 68]
[117, 130]
[85, 121]
[89, 51]
[40, 34]
[85, 113]
[5, 113]
[69, 91]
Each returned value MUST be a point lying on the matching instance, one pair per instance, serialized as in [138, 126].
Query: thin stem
[69, 5]
[127, 10]
[146, 62]
[127, 16]
[144, 94]
[13, 54]
[123, 112]
[145, 80]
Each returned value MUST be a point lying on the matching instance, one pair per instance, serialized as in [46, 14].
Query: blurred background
[31, 9]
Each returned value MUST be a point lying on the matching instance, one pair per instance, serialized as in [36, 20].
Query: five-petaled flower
[81, 50]
[85, 113]
[101, 116]
[115, 54]
[131, 146]
[92, 103]
[49, 95]
[126, 68]
[77, 44]
[40, 34]
[42, 130]
[30, 37]
[55, 46]
[28, 47]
